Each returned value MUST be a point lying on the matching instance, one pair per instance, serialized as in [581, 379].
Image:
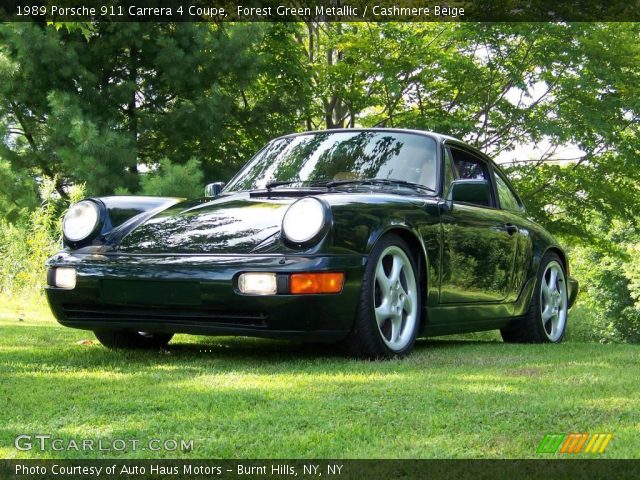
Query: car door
[513, 209]
[479, 241]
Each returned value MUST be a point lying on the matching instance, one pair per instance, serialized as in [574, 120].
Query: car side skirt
[474, 317]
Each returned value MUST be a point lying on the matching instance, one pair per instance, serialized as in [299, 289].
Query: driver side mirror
[213, 189]
[475, 192]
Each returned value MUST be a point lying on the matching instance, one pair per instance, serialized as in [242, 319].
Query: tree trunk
[132, 114]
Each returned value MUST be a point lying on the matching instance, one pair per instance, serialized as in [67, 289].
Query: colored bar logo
[574, 443]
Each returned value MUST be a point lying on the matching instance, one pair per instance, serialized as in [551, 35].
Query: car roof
[438, 136]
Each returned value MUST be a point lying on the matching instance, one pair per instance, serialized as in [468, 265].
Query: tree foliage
[174, 179]
[95, 110]
[94, 104]
[500, 87]
[610, 281]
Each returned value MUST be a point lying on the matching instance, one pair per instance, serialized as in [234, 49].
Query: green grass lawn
[246, 398]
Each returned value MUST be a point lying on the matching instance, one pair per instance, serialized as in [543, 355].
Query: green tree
[498, 86]
[19, 194]
[93, 106]
[174, 180]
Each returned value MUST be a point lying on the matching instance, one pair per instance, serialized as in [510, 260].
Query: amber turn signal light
[305, 283]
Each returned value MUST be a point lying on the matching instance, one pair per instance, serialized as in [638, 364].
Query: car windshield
[341, 157]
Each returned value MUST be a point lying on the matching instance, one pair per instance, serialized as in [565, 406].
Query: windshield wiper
[279, 183]
[360, 181]
[374, 181]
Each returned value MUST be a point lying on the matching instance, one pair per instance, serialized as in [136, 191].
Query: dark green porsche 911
[364, 237]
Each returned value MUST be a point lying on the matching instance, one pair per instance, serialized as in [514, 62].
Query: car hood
[231, 224]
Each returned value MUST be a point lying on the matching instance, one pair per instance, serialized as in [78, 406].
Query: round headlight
[80, 221]
[304, 220]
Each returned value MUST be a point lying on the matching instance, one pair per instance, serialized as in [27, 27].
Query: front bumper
[198, 294]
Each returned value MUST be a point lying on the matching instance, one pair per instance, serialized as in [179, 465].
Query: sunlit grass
[248, 398]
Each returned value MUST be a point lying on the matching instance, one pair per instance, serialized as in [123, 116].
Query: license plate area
[145, 292]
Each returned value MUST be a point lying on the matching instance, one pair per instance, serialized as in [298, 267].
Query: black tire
[366, 339]
[531, 328]
[118, 339]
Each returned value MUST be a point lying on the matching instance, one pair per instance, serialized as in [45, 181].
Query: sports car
[367, 238]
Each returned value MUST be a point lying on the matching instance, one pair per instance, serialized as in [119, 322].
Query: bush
[26, 245]
[607, 310]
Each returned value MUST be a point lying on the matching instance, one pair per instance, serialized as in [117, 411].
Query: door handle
[510, 228]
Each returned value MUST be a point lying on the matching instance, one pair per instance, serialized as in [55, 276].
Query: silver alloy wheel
[553, 301]
[395, 298]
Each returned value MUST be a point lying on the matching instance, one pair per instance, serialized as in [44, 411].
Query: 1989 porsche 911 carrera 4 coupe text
[367, 238]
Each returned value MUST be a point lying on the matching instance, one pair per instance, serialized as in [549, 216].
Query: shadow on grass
[263, 348]
[241, 355]
[44, 348]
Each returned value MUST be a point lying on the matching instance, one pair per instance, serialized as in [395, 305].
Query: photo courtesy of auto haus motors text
[187, 470]
[278, 239]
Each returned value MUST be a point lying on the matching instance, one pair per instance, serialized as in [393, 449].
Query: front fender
[120, 214]
[357, 227]
[360, 220]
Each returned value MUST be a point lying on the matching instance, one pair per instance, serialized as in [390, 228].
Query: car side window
[507, 198]
[468, 167]
[448, 173]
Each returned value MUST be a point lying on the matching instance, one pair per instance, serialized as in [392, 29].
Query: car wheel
[546, 320]
[388, 314]
[130, 340]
